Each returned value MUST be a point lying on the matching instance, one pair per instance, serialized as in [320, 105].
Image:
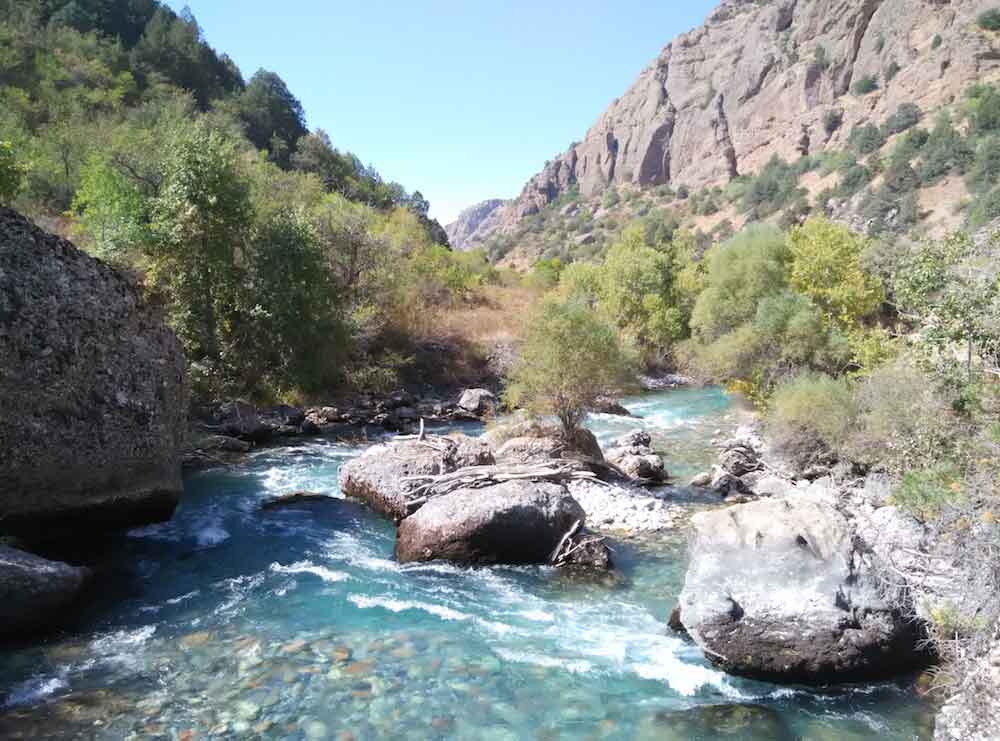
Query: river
[230, 622]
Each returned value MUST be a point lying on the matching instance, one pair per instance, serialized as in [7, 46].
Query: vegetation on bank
[287, 266]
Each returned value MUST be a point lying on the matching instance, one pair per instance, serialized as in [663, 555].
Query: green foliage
[906, 117]
[985, 172]
[945, 152]
[937, 41]
[891, 71]
[825, 265]
[11, 173]
[866, 139]
[811, 417]
[853, 178]
[985, 208]
[774, 187]
[274, 118]
[821, 58]
[989, 20]
[832, 120]
[568, 361]
[983, 107]
[924, 493]
[739, 274]
[865, 85]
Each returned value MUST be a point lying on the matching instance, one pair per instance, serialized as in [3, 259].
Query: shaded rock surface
[466, 231]
[973, 712]
[35, 592]
[780, 589]
[92, 391]
[515, 522]
[477, 401]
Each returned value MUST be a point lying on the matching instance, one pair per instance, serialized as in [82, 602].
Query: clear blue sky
[462, 100]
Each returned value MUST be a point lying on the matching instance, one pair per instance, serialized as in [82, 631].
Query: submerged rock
[383, 475]
[35, 592]
[517, 522]
[776, 590]
[92, 391]
[736, 720]
[295, 499]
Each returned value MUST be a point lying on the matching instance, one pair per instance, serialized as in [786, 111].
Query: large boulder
[92, 391]
[35, 592]
[633, 455]
[383, 475]
[776, 590]
[516, 522]
[477, 401]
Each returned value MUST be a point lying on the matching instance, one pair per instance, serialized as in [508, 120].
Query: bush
[945, 152]
[990, 20]
[854, 178]
[985, 172]
[984, 108]
[11, 173]
[832, 120]
[683, 192]
[985, 208]
[776, 186]
[865, 85]
[569, 360]
[906, 117]
[910, 145]
[866, 139]
[811, 417]
[925, 493]
[936, 43]
[891, 71]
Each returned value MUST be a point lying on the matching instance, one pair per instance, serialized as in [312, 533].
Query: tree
[273, 116]
[569, 360]
[197, 231]
[11, 173]
[825, 265]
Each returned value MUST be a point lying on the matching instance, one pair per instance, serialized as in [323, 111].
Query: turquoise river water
[229, 622]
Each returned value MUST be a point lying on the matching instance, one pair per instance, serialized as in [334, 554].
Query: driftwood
[476, 477]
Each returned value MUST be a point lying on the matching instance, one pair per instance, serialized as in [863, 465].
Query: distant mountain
[763, 78]
[474, 224]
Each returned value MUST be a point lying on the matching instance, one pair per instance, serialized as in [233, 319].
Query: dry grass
[498, 317]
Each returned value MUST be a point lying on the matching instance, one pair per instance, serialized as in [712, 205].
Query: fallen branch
[562, 542]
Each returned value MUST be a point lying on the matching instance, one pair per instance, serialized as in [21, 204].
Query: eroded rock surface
[35, 592]
[92, 391]
[779, 589]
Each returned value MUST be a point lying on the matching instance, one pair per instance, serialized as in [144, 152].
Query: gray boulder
[92, 391]
[973, 712]
[477, 401]
[634, 457]
[35, 592]
[381, 476]
[776, 590]
[516, 522]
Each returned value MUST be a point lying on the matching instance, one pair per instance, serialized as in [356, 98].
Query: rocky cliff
[92, 391]
[765, 78]
[475, 224]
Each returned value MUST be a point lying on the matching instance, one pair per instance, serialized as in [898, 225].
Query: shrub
[891, 71]
[936, 43]
[865, 85]
[832, 120]
[906, 117]
[985, 171]
[569, 360]
[946, 151]
[984, 108]
[853, 179]
[926, 492]
[11, 173]
[811, 417]
[776, 186]
[683, 192]
[821, 59]
[866, 139]
[910, 145]
[985, 208]
[610, 199]
[989, 20]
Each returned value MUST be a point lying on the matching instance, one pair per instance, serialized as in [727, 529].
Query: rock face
[379, 476]
[92, 391]
[35, 592]
[776, 590]
[466, 231]
[515, 522]
[973, 713]
[752, 82]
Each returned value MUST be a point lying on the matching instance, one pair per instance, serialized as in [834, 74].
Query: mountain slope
[761, 79]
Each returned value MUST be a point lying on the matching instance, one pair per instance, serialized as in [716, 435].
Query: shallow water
[231, 622]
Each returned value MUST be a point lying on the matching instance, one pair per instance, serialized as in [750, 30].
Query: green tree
[198, 229]
[569, 360]
[825, 265]
[274, 117]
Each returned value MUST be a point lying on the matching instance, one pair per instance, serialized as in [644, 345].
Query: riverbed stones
[517, 522]
[776, 590]
[633, 455]
[35, 592]
[92, 391]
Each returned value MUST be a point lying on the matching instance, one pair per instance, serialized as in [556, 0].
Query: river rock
[35, 592]
[516, 522]
[381, 475]
[477, 401]
[776, 590]
[612, 407]
[92, 391]
[634, 457]
[530, 450]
